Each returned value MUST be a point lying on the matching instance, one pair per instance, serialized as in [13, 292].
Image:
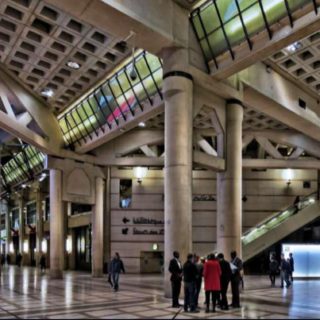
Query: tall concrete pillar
[57, 229]
[97, 229]
[39, 224]
[178, 96]
[22, 226]
[8, 229]
[229, 184]
[107, 218]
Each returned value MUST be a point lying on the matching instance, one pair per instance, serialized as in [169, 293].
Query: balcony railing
[275, 220]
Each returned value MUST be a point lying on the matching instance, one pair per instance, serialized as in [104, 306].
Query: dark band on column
[178, 74]
[234, 101]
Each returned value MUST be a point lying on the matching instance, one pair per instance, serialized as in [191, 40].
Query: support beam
[290, 138]
[208, 161]
[296, 153]
[246, 140]
[280, 164]
[206, 147]
[148, 151]
[13, 91]
[269, 148]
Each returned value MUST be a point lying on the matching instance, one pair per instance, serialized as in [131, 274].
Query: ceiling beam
[208, 161]
[290, 138]
[280, 164]
[13, 92]
[268, 147]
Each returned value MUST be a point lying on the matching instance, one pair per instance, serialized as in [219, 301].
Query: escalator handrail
[291, 207]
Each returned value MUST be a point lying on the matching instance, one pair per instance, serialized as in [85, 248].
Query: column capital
[234, 101]
[177, 73]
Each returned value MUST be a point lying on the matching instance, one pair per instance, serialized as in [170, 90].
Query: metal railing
[274, 221]
[220, 25]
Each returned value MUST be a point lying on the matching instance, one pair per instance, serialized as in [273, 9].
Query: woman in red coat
[211, 274]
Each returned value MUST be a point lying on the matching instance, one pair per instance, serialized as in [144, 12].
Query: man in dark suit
[175, 268]
[236, 268]
[225, 278]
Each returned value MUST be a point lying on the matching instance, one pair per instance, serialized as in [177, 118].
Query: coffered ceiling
[37, 41]
[301, 62]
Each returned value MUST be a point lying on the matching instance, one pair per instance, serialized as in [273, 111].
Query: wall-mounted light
[25, 246]
[140, 173]
[69, 244]
[288, 175]
[155, 247]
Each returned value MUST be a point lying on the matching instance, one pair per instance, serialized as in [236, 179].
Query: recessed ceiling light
[47, 92]
[141, 124]
[73, 65]
[294, 46]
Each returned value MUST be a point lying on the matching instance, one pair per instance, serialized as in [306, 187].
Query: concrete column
[178, 96]
[22, 227]
[39, 224]
[8, 229]
[107, 217]
[97, 229]
[229, 185]
[57, 221]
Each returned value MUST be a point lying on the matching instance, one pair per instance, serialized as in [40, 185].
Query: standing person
[199, 265]
[42, 263]
[273, 270]
[225, 278]
[116, 266]
[211, 274]
[236, 268]
[19, 259]
[189, 278]
[175, 268]
[284, 271]
[291, 262]
[296, 204]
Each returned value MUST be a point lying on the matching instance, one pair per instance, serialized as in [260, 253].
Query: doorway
[151, 262]
[83, 248]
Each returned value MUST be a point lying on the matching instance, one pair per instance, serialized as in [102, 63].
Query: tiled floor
[24, 293]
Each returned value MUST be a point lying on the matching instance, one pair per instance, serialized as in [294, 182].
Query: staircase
[279, 225]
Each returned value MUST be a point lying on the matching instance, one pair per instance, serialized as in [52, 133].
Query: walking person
[291, 262]
[273, 270]
[116, 266]
[236, 268]
[211, 274]
[225, 278]
[175, 268]
[189, 278]
[42, 263]
[199, 265]
[284, 271]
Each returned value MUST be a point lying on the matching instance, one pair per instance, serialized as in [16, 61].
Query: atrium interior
[145, 127]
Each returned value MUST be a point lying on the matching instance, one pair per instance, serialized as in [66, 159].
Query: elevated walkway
[279, 225]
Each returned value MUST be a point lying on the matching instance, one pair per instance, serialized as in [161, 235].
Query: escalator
[279, 225]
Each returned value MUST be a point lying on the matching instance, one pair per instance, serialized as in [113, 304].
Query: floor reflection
[27, 293]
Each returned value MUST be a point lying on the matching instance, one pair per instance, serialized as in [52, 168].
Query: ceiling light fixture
[294, 46]
[47, 92]
[73, 65]
[141, 124]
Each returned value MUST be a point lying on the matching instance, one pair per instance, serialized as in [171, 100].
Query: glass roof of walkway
[220, 25]
[119, 95]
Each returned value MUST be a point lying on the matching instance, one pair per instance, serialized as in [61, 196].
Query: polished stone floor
[24, 293]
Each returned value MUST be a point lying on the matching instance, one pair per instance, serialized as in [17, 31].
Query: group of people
[285, 268]
[217, 274]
